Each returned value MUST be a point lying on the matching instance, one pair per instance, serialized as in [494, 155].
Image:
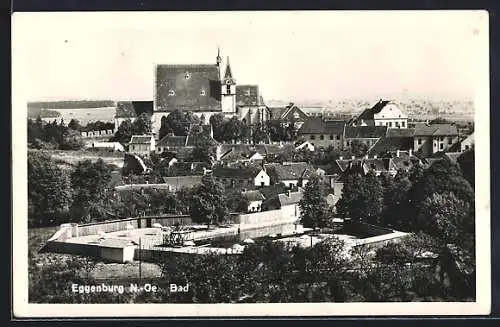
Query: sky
[292, 56]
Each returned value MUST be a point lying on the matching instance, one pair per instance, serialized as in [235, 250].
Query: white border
[21, 309]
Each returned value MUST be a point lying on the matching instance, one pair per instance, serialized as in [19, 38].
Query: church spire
[218, 59]
[228, 74]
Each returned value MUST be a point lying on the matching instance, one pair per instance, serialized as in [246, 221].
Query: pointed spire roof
[229, 74]
[218, 59]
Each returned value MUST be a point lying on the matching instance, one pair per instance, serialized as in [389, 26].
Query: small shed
[118, 250]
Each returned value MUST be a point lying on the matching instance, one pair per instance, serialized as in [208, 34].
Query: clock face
[228, 82]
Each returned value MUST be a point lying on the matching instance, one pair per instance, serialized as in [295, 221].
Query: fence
[137, 222]
[261, 217]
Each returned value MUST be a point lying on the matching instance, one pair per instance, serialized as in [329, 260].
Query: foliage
[49, 191]
[313, 206]
[52, 135]
[362, 198]
[358, 148]
[236, 202]
[259, 134]
[208, 202]
[90, 181]
[178, 123]
[467, 167]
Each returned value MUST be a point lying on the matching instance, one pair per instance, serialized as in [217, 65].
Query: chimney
[397, 153]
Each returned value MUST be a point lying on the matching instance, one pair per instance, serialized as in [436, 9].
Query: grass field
[72, 157]
[85, 115]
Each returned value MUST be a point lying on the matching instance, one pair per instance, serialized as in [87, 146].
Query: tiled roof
[405, 162]
[131, 109]
[319, 125]
[389, 144]
[291, 198]
[248, 149]
[247, 95]
[453, 156]
[379, 165]
[369, 113]
[253, 196]
[291, 171]
[182, 181]
[188, 87]
[172, 141]
[400, 132]
[141, 139]
[245, 172]
[190, 168]
[435, 130]
[193, 138]
[366, 132]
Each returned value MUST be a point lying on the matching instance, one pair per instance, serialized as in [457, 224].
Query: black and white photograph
[251, 163]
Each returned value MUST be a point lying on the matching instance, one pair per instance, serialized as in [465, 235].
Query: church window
[202, 93]
[171, 93]
[228, 89]
[187, 75]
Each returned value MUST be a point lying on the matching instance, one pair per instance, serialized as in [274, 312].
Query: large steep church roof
[187, 87]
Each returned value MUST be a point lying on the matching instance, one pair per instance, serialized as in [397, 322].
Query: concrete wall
[263, 217]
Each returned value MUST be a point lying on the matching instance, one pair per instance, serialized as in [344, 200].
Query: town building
[141, 145]
[367, 135]
[254, 199]
[287, 202]
[203, 90]
[323, 132]
[429, 139]
[130, 110]
[290, 174]
[396, 139]
[306, 145]
[288, 114]
[364, 166]
[177, 183]
[244, 176]
[383, 113]
[467, 143]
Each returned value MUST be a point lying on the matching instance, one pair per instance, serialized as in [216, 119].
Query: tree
[49, 191]
[440, 120]
[233, 129]
[236, 202]
[142, 125]
[164, 128]
[467, 167]
[259, 134]
[362, 198]
[71, 140]
[313, 206]
[90, 182]
[446, 216]
[74, 125]
[124, 132]
[217, 122]
[208, 202]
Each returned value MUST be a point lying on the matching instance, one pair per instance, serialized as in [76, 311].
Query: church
[205, 90]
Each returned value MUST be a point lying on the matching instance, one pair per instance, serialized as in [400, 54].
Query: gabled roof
[172, 141]
[248, 95]
[194, 87]
[453, 156]
[195, 135]
[141, 139]
[291, 171]
[244, 150]
[244, 172]
[400, 132]
[405, 162]
[365, 132]
[319, 125]
[132, 109]
[253, 195]
[276, 112]
[378, 164]
[436, 130]
[291, 198]
[389, 144]
[369, 113]
[187, 168]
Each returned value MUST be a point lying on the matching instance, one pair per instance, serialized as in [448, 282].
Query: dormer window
[187, 75]
[247, 92]
[171, 93]
[202, 92]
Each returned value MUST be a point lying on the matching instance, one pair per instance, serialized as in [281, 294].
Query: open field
[84, 115]
[72, 157]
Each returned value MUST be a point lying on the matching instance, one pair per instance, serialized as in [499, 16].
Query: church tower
[218, 60]
[228, 91]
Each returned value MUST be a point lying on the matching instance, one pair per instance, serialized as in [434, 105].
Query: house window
[450, 140]
[262, 184]
[440, 146]
[419, 141]
[390, 124]
[402, 124]
[171, 93]
[337, 137]
[441, 139]
[133, 147]
[331, 137]
[321, 137]
[312, 137]
[466, 147]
